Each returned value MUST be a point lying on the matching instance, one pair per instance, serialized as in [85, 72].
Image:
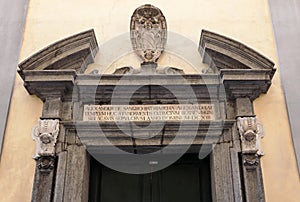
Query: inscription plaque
[179, 112]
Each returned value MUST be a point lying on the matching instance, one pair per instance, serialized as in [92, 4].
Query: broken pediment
[55, 70]
[72, 53]
[224, 53]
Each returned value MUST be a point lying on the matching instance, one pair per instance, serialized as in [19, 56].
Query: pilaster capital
[251, 131]
[45, 134]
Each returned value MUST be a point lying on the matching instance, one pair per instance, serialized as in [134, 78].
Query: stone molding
[46, 77]
[244, 73]
[149, 69]
[74, 52]
[227, 53]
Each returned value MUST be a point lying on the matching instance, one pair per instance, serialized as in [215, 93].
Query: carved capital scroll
[251, 131]
[45, 135]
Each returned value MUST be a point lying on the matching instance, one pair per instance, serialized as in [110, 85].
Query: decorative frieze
[45, 135]
[251, 131]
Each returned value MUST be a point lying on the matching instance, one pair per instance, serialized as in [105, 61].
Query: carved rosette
[148, 32]
[45, 135]
[45, 163]
[250, 161]
[251, 131]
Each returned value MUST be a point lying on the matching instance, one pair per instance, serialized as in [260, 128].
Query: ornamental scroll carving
[251, 131]
[45, 135]
[148, 32]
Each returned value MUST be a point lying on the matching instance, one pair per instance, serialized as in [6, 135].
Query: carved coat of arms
[148, 32]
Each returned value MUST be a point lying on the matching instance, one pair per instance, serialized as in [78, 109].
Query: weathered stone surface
[60, 177]
[149, 113]
[148, 69]
[49, 83]
[77, 174]
[42, 186]
[148, 32]
[251, 131]
[222, 176]
[236, 175]
[238, 75]
[121, 135]
[67, 111]
[254, 189]
[52, 108]
[45, 134]
[74, 52]
[244, 107]
[227, 53]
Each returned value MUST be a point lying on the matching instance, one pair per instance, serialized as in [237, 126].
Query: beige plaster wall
[247, 21]
[17, 166]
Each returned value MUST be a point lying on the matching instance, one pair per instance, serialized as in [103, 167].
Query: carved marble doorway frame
[56, 74]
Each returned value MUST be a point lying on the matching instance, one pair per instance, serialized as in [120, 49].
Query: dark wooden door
[186, 180]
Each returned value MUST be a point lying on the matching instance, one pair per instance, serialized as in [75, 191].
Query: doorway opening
[188, 179]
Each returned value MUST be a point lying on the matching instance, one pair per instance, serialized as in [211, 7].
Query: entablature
[53, 73]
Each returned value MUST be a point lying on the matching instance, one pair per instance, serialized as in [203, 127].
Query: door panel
[186, 180]
[180, 183]
[118, 186]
